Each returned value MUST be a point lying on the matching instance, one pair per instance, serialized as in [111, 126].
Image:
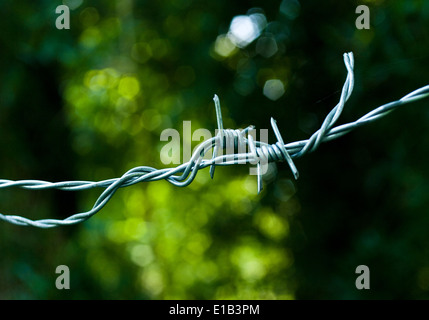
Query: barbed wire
[258, 152]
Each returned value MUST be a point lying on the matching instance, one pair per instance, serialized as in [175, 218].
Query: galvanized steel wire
[241, 140]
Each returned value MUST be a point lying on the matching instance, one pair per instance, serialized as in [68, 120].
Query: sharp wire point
[220, 133]
[281, 145]
[260, 186]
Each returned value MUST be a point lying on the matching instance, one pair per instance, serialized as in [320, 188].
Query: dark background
[90, 103]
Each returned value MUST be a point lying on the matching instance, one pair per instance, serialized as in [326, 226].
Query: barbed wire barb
[220, 129]
[255, 152]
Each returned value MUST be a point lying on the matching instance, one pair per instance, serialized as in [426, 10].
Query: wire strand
[259, 153]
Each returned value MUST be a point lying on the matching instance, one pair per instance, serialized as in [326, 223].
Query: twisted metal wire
[260, 153]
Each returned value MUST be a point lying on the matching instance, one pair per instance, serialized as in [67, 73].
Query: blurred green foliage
[91, 102]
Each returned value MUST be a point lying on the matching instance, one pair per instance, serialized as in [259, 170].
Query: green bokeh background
[90, 103]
